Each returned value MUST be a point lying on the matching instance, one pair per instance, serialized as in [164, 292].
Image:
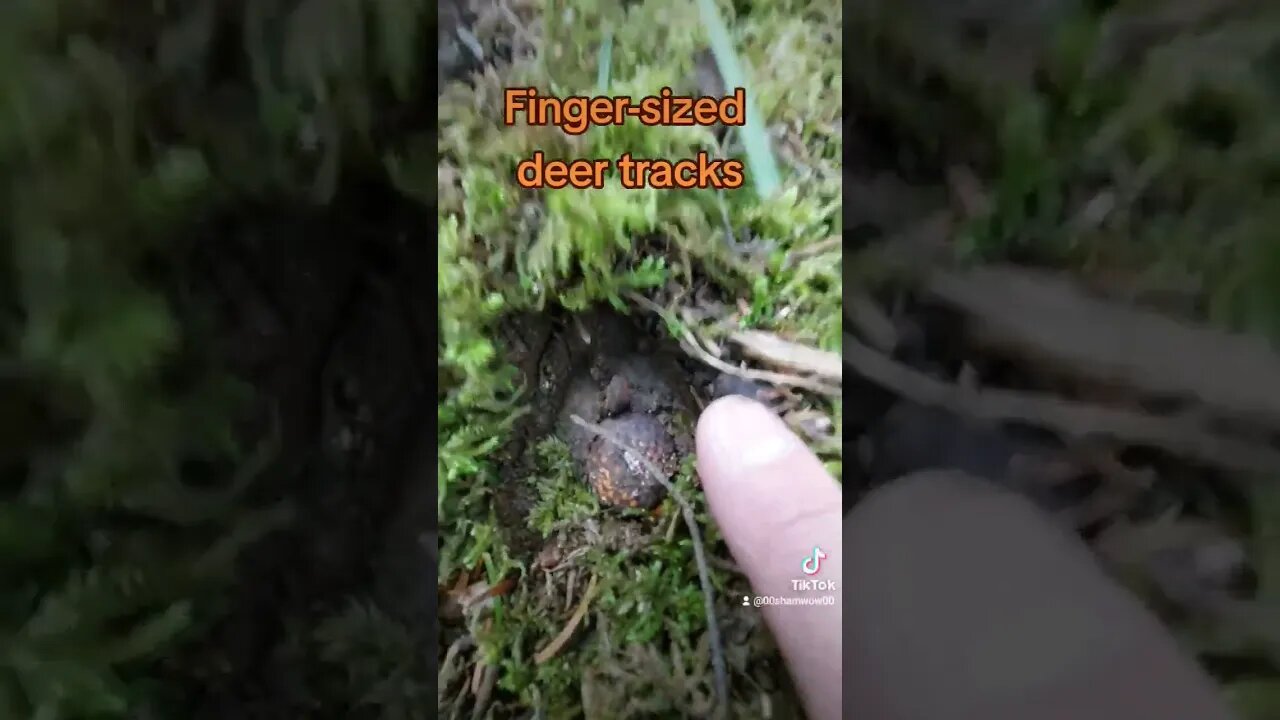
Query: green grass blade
[606, 59]
[755, 137]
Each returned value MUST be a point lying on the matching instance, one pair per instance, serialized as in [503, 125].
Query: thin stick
[795, 257]
[871, 322]
[699, 556]
[1073, 419]
[784, 353]
[566, 632]
[483, 689]
[691, 345]
[448, 670]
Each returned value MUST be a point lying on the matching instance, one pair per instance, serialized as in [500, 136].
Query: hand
[966, 602]
[774, 502]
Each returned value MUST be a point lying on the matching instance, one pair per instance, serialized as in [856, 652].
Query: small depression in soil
[614, 372]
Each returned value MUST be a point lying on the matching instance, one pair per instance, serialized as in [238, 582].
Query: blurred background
[1042, 235]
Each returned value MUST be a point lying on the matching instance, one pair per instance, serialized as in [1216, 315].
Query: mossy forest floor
[215, 331]
[1052, 136]
[525, 547]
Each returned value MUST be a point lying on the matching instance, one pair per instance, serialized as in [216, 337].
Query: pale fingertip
[736, 434]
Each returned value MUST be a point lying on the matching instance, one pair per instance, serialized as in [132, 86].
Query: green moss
[563, 499]
[645, 596]
[571, 248]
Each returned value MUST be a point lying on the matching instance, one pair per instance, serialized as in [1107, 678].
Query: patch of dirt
[622, 374]
[568, 363]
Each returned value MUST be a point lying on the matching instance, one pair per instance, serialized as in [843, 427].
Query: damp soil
[568, 363]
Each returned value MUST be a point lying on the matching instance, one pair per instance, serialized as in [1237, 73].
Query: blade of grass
[755, 137]
[606, 60]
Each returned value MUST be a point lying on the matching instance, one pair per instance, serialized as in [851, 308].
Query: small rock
[620, 479]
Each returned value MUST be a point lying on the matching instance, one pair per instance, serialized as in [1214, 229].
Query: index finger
[780, 513]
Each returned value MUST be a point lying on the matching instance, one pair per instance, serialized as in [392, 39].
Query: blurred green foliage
[1131, 142]
[1138, 140]
[121, 469]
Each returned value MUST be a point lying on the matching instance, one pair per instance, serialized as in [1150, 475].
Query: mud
[568, 362]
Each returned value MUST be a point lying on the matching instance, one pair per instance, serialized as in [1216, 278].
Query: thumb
[774, 503]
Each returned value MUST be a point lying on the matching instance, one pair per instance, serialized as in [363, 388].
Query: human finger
[779, 511]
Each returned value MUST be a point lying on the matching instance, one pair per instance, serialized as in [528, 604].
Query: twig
[448, 668]
[795, 257]
[566, 632]
[567, 561]
[1073, 419]
[690, 344]
[1054, 320]
[484, 690]
[871, 322]
[699, 557]
[774, 349]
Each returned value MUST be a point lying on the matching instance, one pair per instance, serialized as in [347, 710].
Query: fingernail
[741, 434]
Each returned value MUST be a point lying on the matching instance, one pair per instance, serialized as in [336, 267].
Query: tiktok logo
[813, 563]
